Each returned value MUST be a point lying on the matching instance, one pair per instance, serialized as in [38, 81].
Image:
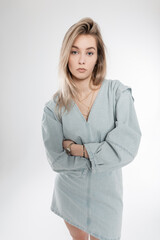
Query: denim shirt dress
[88, 193]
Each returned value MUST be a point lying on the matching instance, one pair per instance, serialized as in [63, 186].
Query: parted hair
[67, 88]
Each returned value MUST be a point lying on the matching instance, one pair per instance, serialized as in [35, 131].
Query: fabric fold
[121, 144]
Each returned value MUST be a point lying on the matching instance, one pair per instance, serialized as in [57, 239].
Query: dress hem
[82, 228]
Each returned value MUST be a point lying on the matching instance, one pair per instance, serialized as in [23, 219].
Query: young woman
[90, 131]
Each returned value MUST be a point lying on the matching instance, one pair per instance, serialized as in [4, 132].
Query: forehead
[84, 41]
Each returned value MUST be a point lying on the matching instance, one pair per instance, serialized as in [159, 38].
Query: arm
[76, 149]
[52, 135]
[121, 144]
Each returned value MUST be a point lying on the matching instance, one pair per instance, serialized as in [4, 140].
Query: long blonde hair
[67, 88]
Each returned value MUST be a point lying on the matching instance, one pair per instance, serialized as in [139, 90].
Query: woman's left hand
[66, 143]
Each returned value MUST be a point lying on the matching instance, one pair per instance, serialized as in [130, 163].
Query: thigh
[93, 238]
[76, 233]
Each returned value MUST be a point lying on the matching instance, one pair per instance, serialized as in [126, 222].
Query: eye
[91, 53]
[73, 52]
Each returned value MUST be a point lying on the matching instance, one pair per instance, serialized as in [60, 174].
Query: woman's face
[83, 55]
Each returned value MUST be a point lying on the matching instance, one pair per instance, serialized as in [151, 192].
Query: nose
[82, 59]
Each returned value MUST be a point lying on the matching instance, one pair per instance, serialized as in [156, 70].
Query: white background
[30, 42]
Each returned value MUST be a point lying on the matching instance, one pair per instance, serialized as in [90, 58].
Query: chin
[81, 76]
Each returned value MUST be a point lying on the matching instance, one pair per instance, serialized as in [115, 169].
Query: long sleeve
[52, 136]
[121, 144]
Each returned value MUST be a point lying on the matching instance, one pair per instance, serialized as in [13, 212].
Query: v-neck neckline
[93, 105]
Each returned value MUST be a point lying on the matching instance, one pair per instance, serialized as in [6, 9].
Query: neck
[83, 85]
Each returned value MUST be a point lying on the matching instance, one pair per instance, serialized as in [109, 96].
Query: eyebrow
[86, 48]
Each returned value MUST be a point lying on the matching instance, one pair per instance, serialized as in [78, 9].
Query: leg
[76, 233]
[93, 238]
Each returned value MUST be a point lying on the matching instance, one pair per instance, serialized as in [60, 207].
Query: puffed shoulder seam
[122, 88]
[51, 106]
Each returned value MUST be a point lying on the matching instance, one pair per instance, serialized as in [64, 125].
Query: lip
[81, 69]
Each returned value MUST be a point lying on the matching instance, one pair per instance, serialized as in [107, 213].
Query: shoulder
[118, 88]
[49, 109]
[50, 104]
[116, 84]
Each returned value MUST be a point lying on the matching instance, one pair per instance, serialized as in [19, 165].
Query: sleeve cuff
[92, 156]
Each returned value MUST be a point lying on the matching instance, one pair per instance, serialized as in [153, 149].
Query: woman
[91, 140]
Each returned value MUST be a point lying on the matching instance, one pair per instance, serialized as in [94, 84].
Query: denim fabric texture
[88, 193]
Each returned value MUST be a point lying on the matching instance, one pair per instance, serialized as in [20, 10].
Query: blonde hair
[67, 88]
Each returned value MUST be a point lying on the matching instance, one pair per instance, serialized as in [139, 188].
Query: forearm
[56, 156]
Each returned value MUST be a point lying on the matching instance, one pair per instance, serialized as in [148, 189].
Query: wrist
[75, 150]
[69, 149]
[85, 152]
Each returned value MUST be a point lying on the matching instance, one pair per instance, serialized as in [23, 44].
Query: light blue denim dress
[88, 193]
